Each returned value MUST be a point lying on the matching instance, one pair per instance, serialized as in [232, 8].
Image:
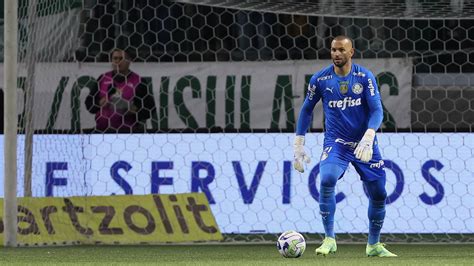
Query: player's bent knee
[330, 173]
[379, 196]
[329, 177]
[376, 190]
[328, 181]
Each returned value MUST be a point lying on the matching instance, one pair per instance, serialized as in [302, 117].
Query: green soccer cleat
[378, 250]
[328, 247]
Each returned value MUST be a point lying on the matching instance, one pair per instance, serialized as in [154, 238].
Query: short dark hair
[343, 37]
[128, 53]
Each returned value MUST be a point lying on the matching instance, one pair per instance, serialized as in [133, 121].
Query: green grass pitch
[227, 254]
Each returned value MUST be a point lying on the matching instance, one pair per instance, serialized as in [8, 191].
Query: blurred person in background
[121, 102]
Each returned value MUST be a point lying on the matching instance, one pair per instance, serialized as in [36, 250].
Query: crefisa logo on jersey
[343, 87]
[344, 103]
[357, 88]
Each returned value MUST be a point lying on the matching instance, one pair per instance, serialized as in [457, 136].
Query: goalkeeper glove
[300, 154]
[364, 149]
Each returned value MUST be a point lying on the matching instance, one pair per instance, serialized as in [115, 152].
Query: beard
[342, 62]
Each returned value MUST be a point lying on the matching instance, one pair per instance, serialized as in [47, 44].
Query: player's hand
[300, 155]
[364, 149]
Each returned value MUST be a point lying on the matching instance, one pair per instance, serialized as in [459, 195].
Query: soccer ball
[291, 244]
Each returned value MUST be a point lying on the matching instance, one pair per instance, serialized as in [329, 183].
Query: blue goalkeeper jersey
[351, 104]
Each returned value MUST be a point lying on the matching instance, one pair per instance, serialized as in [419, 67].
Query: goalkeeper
[353, 112]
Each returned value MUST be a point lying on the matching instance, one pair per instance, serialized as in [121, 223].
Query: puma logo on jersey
[329, 89]
[344, 103]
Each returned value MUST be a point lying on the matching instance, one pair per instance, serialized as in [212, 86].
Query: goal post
[10, 123]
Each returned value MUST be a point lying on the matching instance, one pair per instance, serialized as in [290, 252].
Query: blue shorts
[340, 152]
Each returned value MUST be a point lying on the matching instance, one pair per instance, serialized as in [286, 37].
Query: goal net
[224, 82]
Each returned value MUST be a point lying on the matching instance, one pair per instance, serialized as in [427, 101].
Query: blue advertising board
[251, 184]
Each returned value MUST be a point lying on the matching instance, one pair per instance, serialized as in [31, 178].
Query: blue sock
[327, 208]
[376, 216]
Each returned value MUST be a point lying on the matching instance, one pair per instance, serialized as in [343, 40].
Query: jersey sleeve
[374, 102]
[312, 97]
